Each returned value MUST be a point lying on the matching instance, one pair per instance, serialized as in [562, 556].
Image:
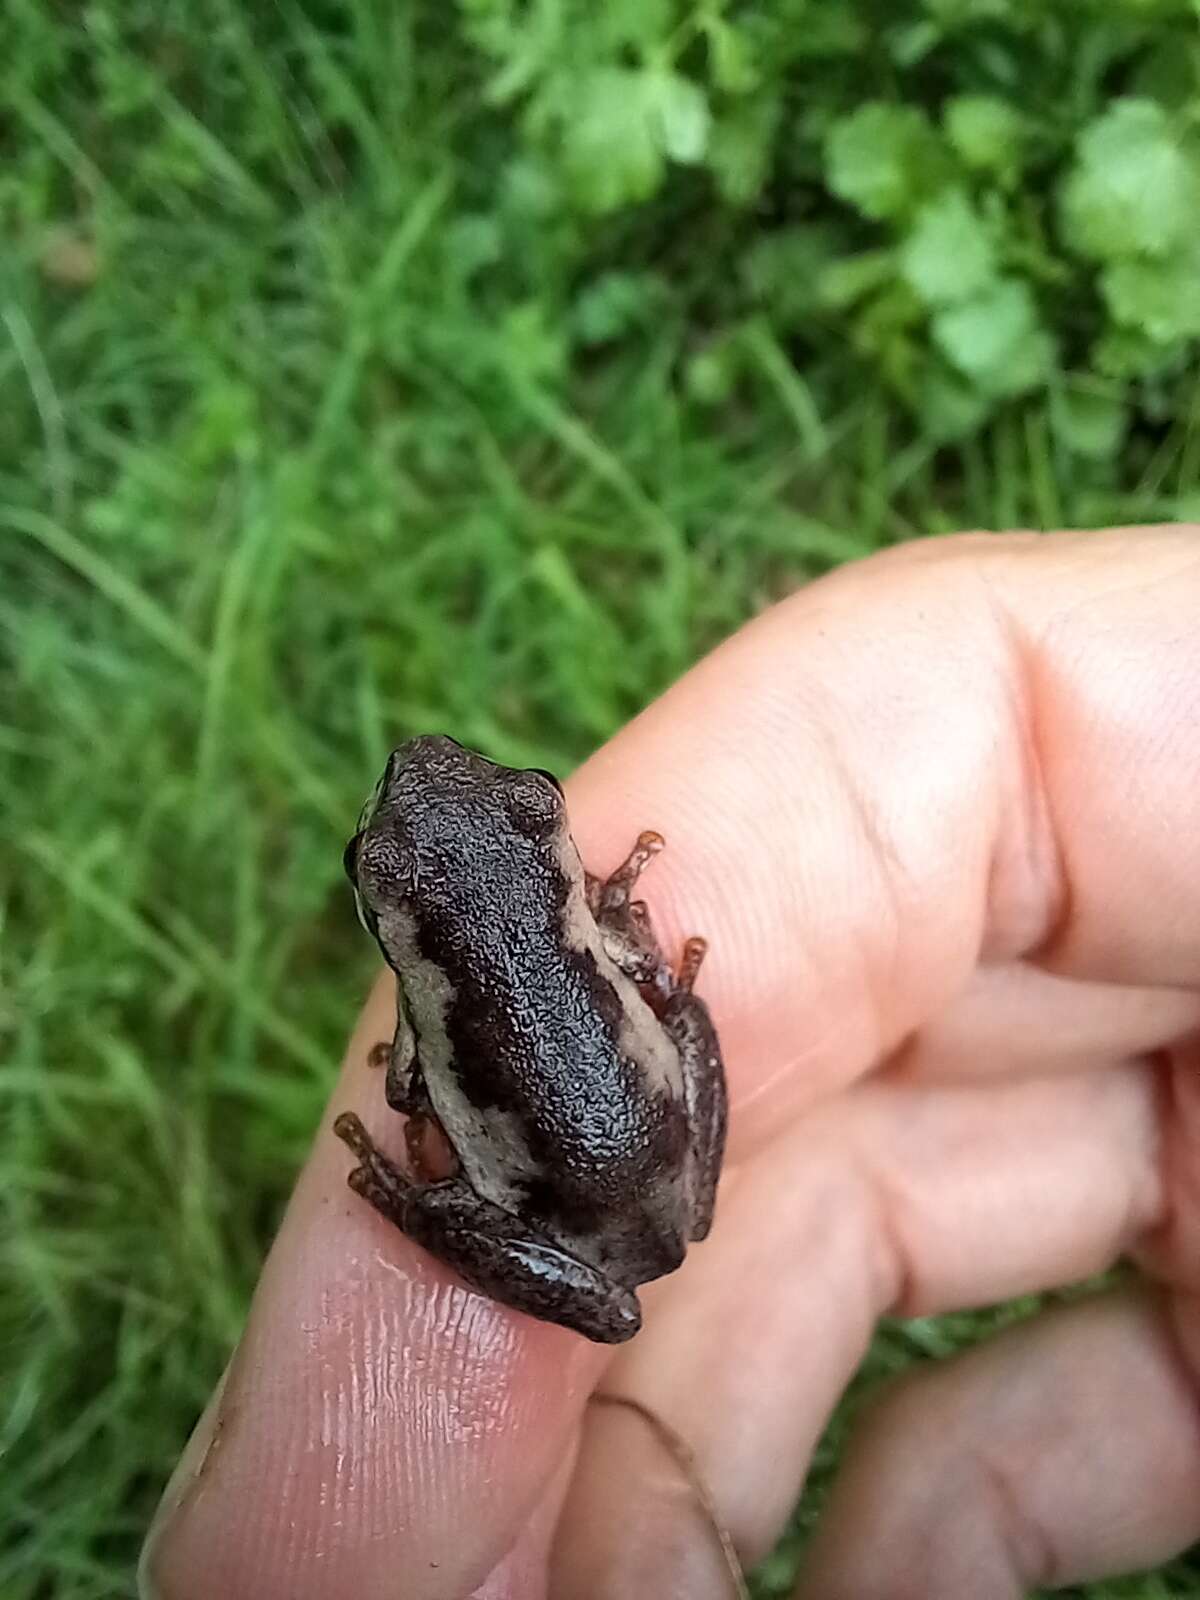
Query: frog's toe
[610, 1321]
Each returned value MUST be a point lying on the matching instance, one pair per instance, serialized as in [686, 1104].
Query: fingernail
[195, 1460]
[639, 1520]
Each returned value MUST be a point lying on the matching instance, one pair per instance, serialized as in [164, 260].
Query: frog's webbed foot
[685, 1018]
[609, 897]
[625, 925]
[376, 1178]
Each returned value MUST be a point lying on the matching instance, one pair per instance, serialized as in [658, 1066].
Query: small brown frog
[541, 1036]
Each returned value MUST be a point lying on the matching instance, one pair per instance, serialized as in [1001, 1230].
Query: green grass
[280, 482]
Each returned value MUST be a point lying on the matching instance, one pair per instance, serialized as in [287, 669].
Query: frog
[562, 1081]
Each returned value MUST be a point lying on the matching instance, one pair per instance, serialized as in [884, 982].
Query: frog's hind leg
[483, 1244]
[629, 941]
[479, 1240]
[685, 1018]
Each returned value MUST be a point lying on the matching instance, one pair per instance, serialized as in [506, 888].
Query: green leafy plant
[1001, 195]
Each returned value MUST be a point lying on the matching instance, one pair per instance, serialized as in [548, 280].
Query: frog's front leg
[488, 1248]
[623, 922]
[403, 1089]
[608, 897]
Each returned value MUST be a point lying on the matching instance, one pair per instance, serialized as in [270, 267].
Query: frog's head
[442, 813]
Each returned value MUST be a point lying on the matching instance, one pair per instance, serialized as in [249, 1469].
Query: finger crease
[1028, 846]
[1027, 1546]
[1178, 1355]
[900, 1293]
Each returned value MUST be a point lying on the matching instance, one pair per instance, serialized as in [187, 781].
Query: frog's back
[565, 1099]
[554, 1082]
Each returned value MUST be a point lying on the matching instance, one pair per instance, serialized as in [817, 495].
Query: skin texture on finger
[521, 1574]
[1064, 1450]
[878, 1202]
[381, 1429]
[1172, 1251]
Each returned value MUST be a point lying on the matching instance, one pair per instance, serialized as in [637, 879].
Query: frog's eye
[536, 801]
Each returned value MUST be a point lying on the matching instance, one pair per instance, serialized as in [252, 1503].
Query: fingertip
[154, 1578]
[380, 1424]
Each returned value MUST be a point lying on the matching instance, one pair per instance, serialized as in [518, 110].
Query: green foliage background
[374, 365]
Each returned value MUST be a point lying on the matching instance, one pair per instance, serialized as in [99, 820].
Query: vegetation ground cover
[367, 367]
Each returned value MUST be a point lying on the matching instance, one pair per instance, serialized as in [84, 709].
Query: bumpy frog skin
[574, 1076]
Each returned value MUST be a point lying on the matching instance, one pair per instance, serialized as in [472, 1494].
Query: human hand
[938, 816]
